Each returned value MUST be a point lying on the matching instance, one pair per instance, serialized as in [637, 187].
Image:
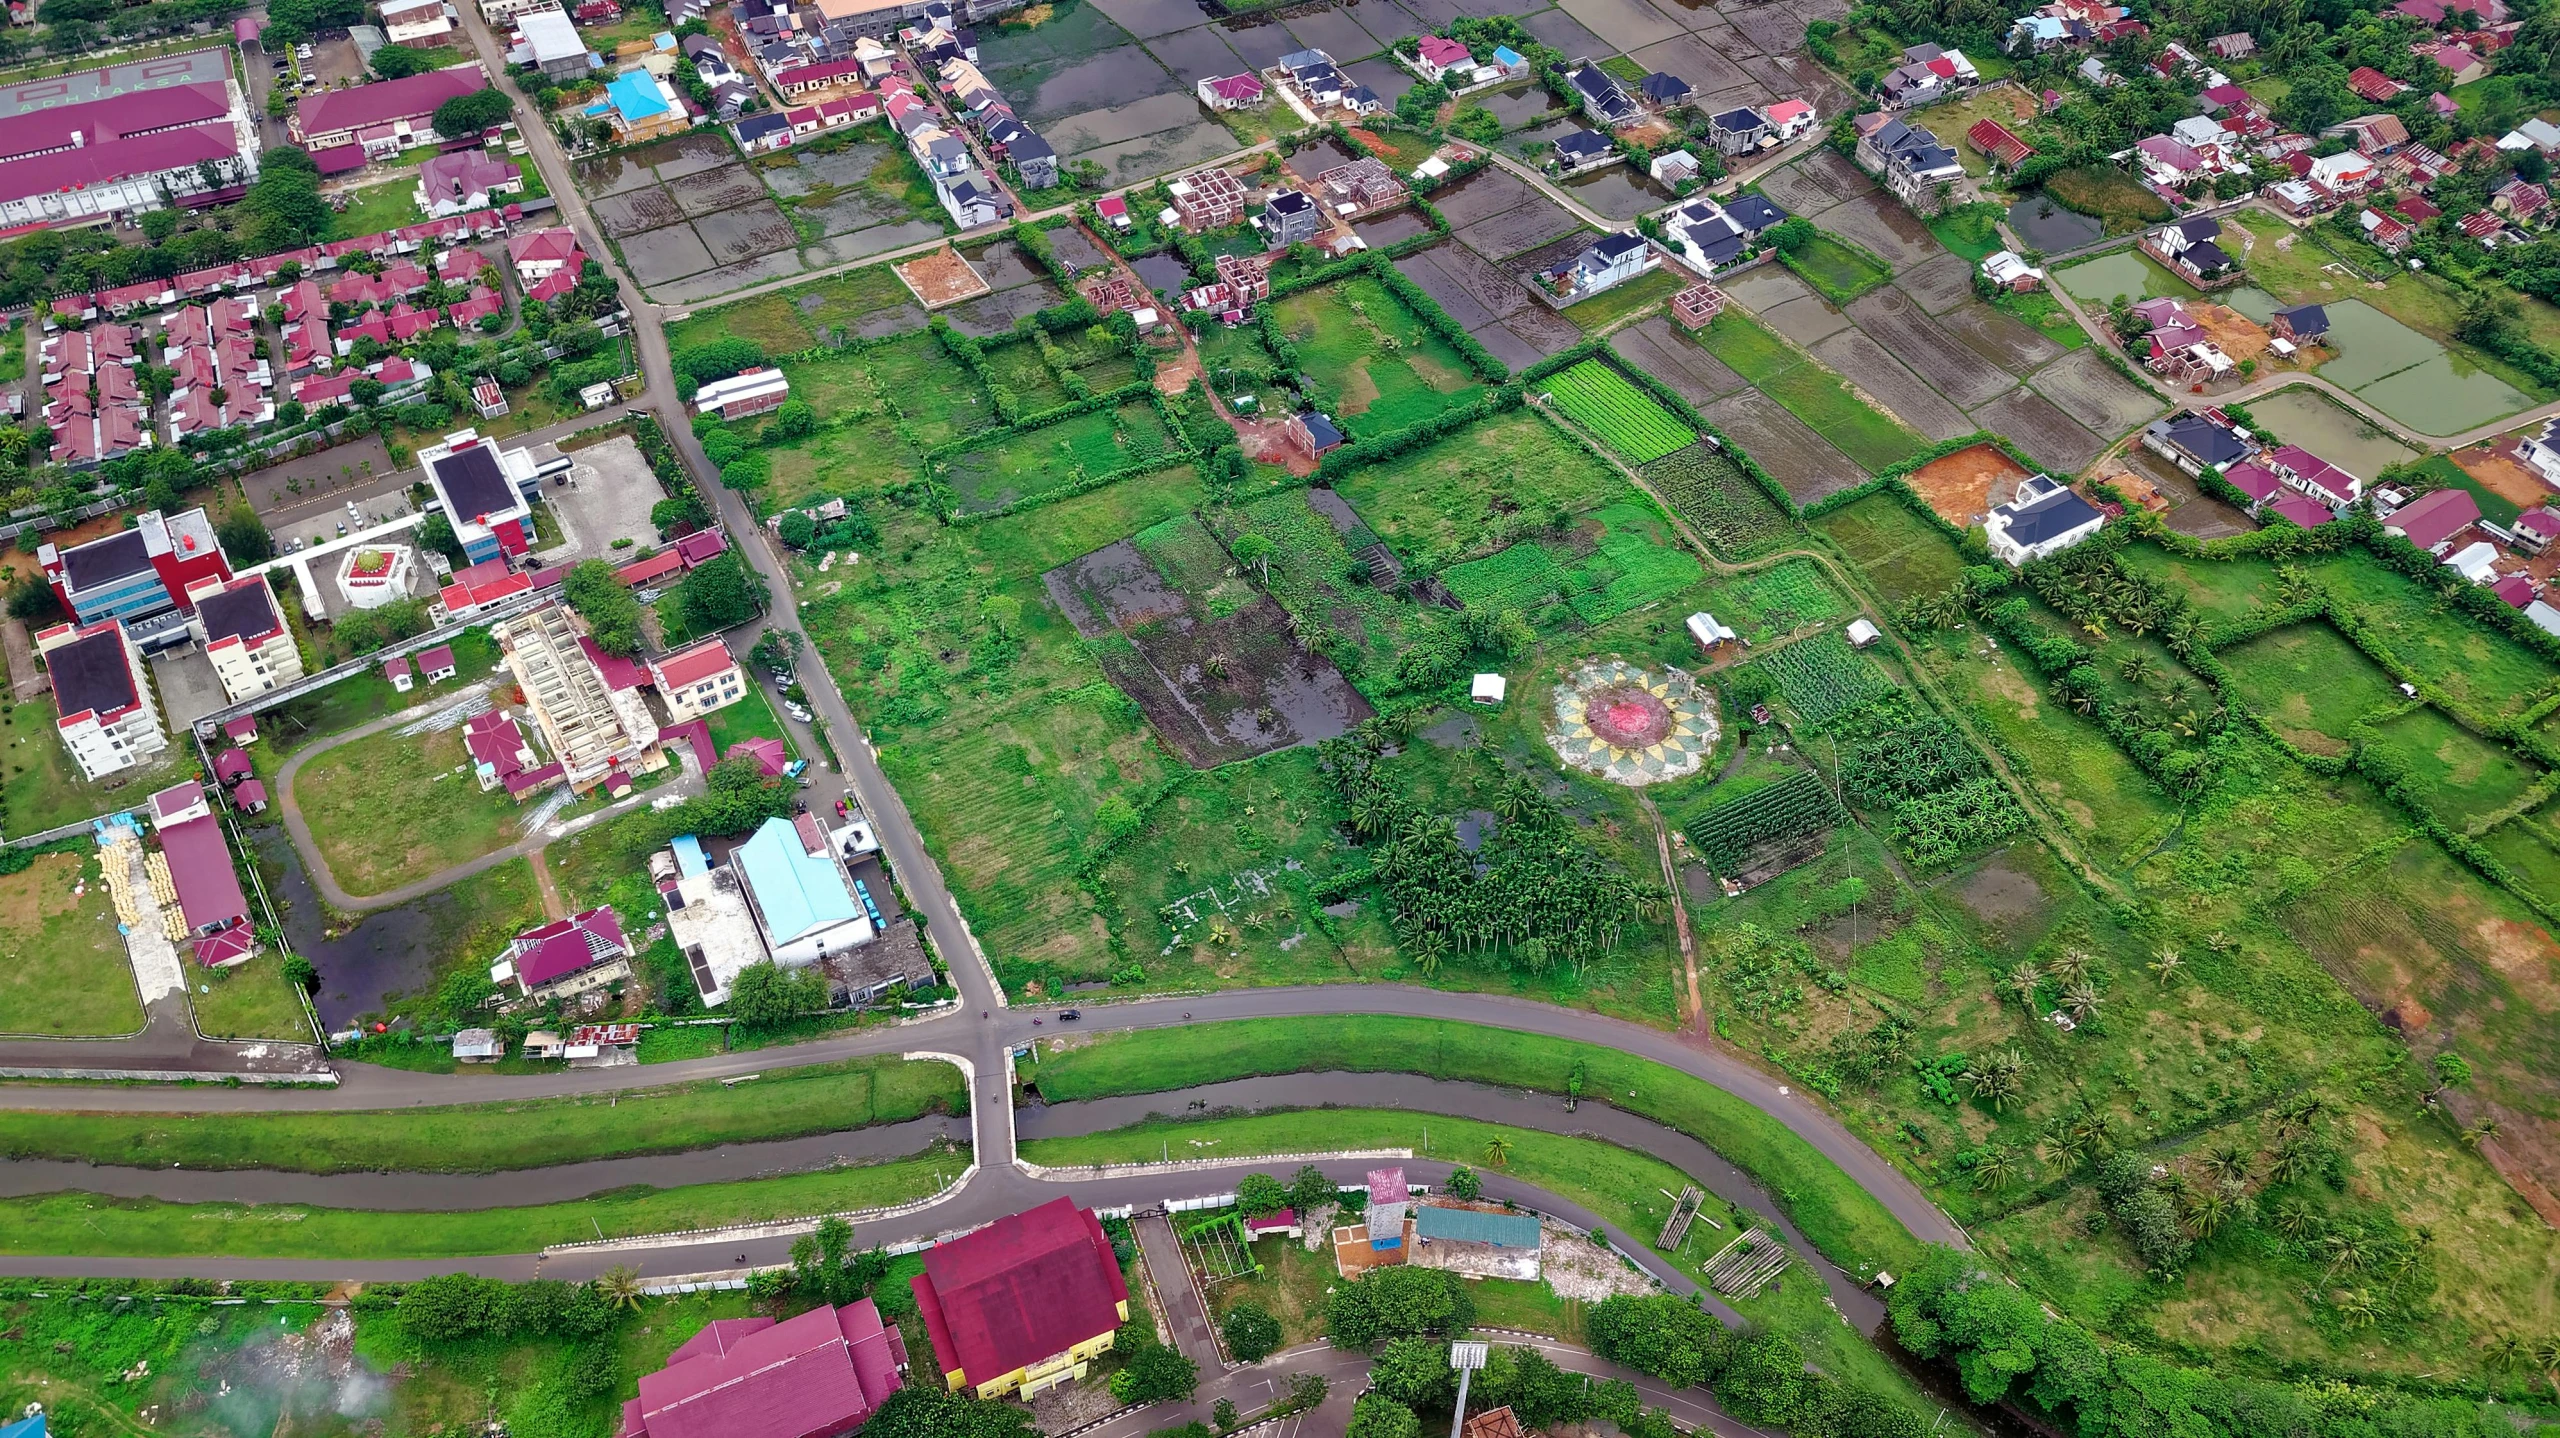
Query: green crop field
[1822, 678]
[1630, 565]
[1705, 487]
[1810, 392]
[1838, 269]
[1383, 367]
[1461, 494]
[1626, 419]
[1031, 463]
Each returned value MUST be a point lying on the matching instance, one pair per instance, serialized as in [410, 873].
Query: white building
[2045, 519]
[697, 679]
[410, 22]
[244, 633]
[107, 719]
[740, 396]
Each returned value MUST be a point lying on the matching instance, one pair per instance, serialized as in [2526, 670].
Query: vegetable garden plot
[1059, 456]
[1624, 417]
[1920, 769]
[1727, 836]
[1778, 600]
[1704, 486]
[1822, 678]
[1629, 567]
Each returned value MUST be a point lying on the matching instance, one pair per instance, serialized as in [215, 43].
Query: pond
[1162, 273]
[2043, 224]
[1309, 161]
[2127, 272]
[1517, 105]
[1619, 192]
[2406, 374]
[2302, 416]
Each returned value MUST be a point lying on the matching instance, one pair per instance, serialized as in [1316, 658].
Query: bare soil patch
[941, 278]
[1964, 485]
[2502, 474]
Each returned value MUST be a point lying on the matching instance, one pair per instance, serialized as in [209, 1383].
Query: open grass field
[1613, 307]
[2455, 773]
[1059, 456]
[1903, 555]
[1837, 1215]
[248, 1001]
[2483, 671]
[67, 974]
[490, 1138]
[1839, 270]
[2221, 590]
[1809, 391]
[1383, 367]
[1456, 496]
[387, 809]
[43, 788]
[1616, 559]
[91, 1226]
[2309, 683]
[2108, 193]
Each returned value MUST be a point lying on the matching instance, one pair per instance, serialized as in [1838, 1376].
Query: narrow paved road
[1185, 1312]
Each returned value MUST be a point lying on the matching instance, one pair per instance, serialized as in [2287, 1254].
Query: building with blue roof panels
[690, 860]
[803, 904]
[641, 106]
[1478, 1242]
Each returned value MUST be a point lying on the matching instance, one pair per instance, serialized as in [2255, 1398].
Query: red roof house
[701, 545]
[814, 1376]
[2516, 589]
[588, 944]
[209, 898]
[1024, 1302]
[2432, 520]
[2373, 84]
[1994, 139]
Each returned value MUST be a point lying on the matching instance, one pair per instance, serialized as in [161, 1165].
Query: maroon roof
[78, 169]
[768, 754]
[1024, 1288]
[411, 97]
[431, 660]
[2516, 589]
[701, 545]
[208, 888]
[821, 1373]
[1387, 1185]
[242, 729]
[2540, 522]
[2431, 519]
[2302, 509]
[619, 673]
[99, 122]
[564, 946]
[230, 764]
[2254, 480]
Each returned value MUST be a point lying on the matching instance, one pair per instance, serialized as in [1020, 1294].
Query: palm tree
[2134, 668]
[2356, 1309]
[2229, 1165]
[1996, 1167]
[2347, 1247]
[2023, 981]
[2484, 1131]
[619, 1286]
[2547, 1353]
[1997, 1076]
[2165, 967]
[1497, 1151]
[2507, 1352]
[2063, 1145]
[2206, 1212]
[2081, 1001]
[2294, 1158]
[2293, 1218]
[2072, 965]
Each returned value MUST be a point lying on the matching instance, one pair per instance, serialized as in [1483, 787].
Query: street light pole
[1466, 1358]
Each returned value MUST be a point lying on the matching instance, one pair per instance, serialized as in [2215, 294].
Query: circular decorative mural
[1632, 725]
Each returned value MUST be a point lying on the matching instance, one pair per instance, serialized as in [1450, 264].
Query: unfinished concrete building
[593, 730]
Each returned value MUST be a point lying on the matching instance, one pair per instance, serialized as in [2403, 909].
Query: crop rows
[1778, 599]
[1629, 569]
[1704, 486]
[1626, 418]
[1823, 678]
[1790, 808]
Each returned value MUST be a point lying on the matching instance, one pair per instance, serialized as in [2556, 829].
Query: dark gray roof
[1663, 87]
[2207, 256]
[1321, 430]
[1289, 202]
[1028, 146]
[1581, 142]
[2307, 319]
[474, 484]
[2200, 227]
[240, 613]
[2210, 443]
[1742, 120]
[2057, 513]
[90, 674]
[104, 561]
[1611, 247]
[1753, 212]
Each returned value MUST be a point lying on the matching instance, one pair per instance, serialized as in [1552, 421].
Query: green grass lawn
[375, 208]
[248, 1001]
[1614, 306]
[2309, 683]
[1058, 456]
[752, 717]
[67, 973]
[2454, 772]
[2108, 193]
[43, 788]
[494, 1137]
[1841, 270]
[1462, 495]
[2480, 669]
[387, 809]
[1810, 392]
[1902, 554]
[1381, 366]
[87, 1225]
[1969, 230]
[1835, 1213]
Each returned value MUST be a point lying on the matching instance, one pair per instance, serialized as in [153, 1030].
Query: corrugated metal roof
[1467, 1225]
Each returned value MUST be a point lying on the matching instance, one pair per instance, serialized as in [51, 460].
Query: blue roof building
[802, 903]
[635, 94]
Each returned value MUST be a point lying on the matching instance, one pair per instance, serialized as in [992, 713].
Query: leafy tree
[1252, 1334]
[1376, 1416]
[1660, 1336]
[1223, 1413]
[283, 208]
[722, 593]
[1766, 1382]
[1538, 1392]
[451, 1307]
[1474, 122]
[394, 62]
[1415, 1372]
[243, 536]
[682, 509]
[2452, 1070]
[1397, 1302]
[1791, 236]
[763, 995]
[793, 420]
[607, 604]
[719, 359]
[299, 972]
[1258, 1194]
[797, 529]
[1309, 1189]
[1464, 1184]
[464, 116]
[435, 532]
[1256, 550]
[364, 392]
[366, 630]
[1420, 106]
[933, 1412]
[1155, 1373]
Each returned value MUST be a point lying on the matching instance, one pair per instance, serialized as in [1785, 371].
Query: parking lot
[607, 498]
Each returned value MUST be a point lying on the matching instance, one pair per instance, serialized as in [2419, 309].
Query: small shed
[243, 730]
[250, 797]
[396, 669]
[437, 663]
[231, 765]
[1283, 1222]
[1489, 689]
[1863, 632]
[478, 1046]
[543, 1044]
[1710, 631]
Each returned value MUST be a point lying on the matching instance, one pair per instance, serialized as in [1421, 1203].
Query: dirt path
[1697, 1017]
[551, 905]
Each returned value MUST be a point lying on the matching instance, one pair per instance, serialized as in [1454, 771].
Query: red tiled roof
[656, 566]
[1026, 1287]
[694, 664]
[2372, 83]
[564, 946]
[412, 97]
[1994, 139]
[2431, 519]
[2516, 589]
[619, 673]
[99, 164]
[208, 888]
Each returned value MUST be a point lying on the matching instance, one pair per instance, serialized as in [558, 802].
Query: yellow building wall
[1040, 1375]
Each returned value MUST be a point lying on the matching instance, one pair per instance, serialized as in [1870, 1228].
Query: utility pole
[1466, 1358]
